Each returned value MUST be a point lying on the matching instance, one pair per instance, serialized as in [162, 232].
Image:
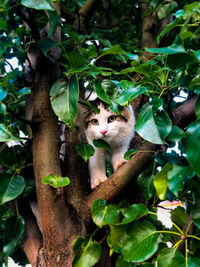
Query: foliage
[133, 232]
[106, 61]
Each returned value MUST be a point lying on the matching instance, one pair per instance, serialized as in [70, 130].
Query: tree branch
[67, 14]
[130, 171]
[32, 240]
[87, 10]
[184, 114]
[85, 13]
[114, 185]
[148, 23]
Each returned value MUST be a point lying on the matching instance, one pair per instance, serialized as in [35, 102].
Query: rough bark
[56, 224]
[148, 34]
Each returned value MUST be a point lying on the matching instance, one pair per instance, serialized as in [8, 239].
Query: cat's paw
[97, 181]
[119, 163]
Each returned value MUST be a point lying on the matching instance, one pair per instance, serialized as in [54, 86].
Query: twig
[9, 64]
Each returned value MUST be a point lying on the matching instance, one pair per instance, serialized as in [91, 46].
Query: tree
[144, 53]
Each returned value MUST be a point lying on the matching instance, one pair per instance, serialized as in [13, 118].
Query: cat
[116, 130]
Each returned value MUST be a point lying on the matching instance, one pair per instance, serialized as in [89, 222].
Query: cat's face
[107, 125]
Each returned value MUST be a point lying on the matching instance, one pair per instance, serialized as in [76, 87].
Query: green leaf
[13, 230]
[85, 151]
[106, 91]
[3, 94]
[130, 93]
[179, 216]
[153, 126]
[197, 108]
[194, 262]
[53, 22]
[180, 60]
[166, 8]
[103, 215]
[56, 181]
[3, 24]
[170, 50]
[24, 91]
[133, 213]
[168, 28]
[10, 187]
[64, 98]
[160, 181]
[169, 257]
[14, 157]
[7, 134]
[100, 143]
[2, 108]
[195, 85]
[176, 134]
[129, 153]
[192, 140]
[186, 34]
[165, 257]
[191, 7]
[102, 94]
[178, 260]
[176, 178]
[115, 49]
[116, 233]
[145, 181]
[196, 210]
[88, 252]
[46, 45]
[38, 4]
[76, 62]
[121, 263]
[140, 242]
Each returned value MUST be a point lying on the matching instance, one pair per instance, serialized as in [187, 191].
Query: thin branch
[7, 62]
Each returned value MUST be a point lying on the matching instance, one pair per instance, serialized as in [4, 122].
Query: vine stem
[178, 228]
[177, 244]
[17, 209]
[152, 213]
[193, 236]
[168, 232]
[186, 252]
[188, 228]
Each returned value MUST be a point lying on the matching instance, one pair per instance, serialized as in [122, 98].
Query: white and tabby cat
[116, 130]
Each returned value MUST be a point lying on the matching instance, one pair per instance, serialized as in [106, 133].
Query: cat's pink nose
[103, 132]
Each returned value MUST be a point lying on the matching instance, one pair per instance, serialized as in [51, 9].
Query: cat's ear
[127, 112]
[83, 109]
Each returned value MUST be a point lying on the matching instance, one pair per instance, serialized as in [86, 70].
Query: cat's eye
[111, 118]
[95, 122]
